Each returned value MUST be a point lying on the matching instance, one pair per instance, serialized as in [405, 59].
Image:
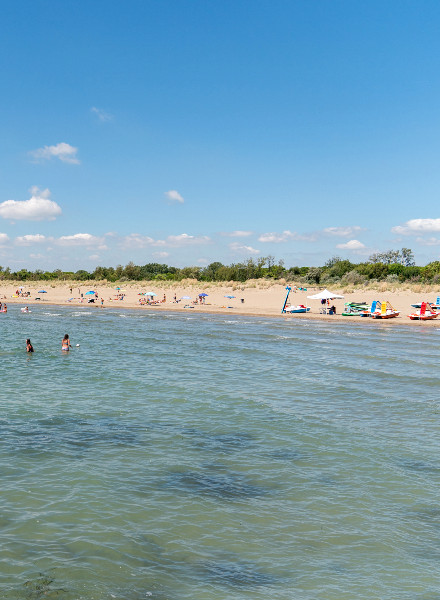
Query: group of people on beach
[22, 294]
[65, 344]
[150, 300]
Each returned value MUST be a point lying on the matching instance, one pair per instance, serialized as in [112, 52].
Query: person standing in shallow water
[65, 343]
[29, 347]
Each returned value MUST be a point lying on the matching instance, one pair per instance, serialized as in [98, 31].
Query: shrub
[313, 275]
[353, 278]
[392, 278]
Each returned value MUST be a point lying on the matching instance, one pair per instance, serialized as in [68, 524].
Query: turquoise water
[180, 456]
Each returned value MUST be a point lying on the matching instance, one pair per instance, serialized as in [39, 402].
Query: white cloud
[160, 254]
[343, 231]
[28, 240]
[102, 115]
[417, 226]
[94, 257]
[79, 239]
[4, 239]
[236, 247]
[38, 208]
[64, 152]
[351, 245]
[136, 240]
[174, 196]
[237, 233]
[36, 256]
[432, 241]
[276, 237]
[285, 236]
[184, 240]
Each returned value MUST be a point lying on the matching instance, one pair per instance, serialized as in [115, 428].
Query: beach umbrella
[117, 288]
[325, 295]
[90, 293]
[229, 296]
[42, 292]
[203, 295]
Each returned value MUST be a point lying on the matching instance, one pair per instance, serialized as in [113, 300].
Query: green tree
[314, 274]
[402, 257]
[332, 262]
[407, 257]
[338, 267]
[82, 275]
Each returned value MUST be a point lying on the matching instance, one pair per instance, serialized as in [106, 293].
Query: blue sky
[191, 132]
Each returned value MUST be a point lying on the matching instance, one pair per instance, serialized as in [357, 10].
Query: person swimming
[65, 343]
[29, 347]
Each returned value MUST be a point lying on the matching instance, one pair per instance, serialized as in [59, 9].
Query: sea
[181, 456]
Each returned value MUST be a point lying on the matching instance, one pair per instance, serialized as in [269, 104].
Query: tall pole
[285, 301]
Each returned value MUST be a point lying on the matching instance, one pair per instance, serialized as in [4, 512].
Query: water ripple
[206, 457]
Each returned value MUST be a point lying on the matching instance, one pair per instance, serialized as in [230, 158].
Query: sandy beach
[261, 298]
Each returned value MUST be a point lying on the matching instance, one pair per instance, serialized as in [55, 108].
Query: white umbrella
[325, 295]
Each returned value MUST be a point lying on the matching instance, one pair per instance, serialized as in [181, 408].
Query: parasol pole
[285, 301]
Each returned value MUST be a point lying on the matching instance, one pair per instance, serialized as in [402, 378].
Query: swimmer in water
[65, 343]
[29, 347]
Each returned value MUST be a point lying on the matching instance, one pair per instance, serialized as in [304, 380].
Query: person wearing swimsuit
[29, 347]
[65, 343]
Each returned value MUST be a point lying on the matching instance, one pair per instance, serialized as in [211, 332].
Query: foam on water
[208, 458]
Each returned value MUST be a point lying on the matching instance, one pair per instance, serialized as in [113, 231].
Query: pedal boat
[385, 311]
[301, 308]
[356, 309]
[426, 313]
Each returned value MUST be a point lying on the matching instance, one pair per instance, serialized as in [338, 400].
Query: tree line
[393, 265]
